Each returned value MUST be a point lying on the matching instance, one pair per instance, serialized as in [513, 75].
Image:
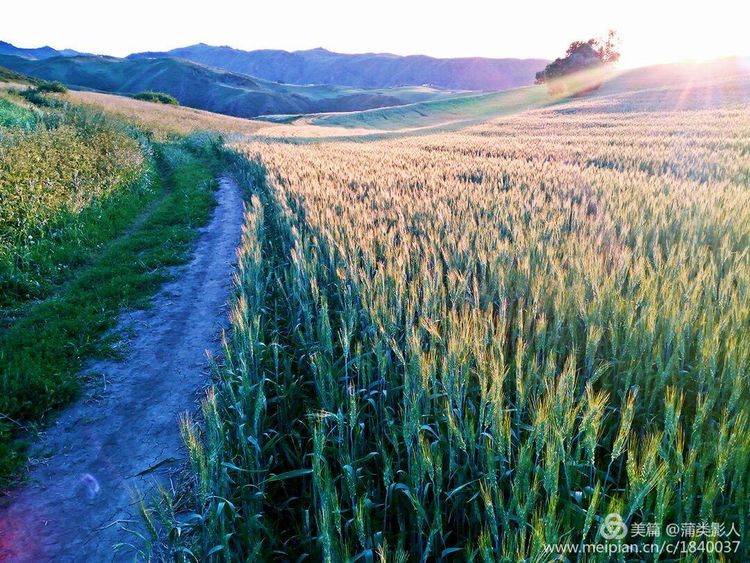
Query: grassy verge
[70, 181]
[42, 351]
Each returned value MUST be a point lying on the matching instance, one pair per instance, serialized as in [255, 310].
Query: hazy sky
[651, 30]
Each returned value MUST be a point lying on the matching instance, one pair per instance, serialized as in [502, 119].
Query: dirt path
[125, 435]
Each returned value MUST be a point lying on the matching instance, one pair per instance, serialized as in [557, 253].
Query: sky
[651, 31]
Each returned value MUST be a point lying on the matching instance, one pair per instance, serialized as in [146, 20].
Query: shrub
[40, 99]
[55, 87]
[158, 97]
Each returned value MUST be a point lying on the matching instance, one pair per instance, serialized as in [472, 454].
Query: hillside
[425, 114]
[202, 87]
[8, 77]
[368, 70]
[164, 120]
[660, 87]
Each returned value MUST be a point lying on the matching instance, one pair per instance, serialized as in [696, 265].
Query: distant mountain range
[45, 52]
[370, 70]
[265, 82]
[213, 89]
[320, 66]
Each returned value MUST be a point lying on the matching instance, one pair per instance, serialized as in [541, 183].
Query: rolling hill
[202, 87]
[368, 70]
[667, 87]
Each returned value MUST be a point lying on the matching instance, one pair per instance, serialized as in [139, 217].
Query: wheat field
[473, 345]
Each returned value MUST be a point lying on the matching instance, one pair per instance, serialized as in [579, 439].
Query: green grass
[43, 350]
[15, 116]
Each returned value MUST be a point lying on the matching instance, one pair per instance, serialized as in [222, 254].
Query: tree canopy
[581, 55]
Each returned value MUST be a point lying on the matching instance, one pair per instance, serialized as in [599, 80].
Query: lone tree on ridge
[580, 56]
